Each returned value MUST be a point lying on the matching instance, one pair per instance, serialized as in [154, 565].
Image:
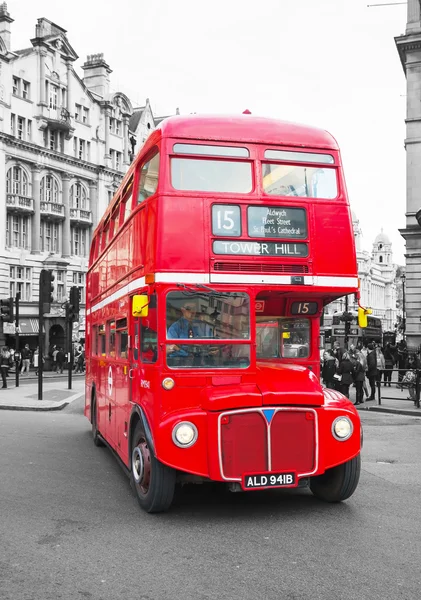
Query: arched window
[17, 181]
[49, 189]
[78, 196]
[381, 259]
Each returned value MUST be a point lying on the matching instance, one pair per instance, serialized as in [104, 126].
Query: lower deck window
[282, 338]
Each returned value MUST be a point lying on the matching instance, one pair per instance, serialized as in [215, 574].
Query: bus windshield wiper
[216, 292]
[189, 290]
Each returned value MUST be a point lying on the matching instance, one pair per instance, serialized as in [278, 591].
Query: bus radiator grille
[260, 267]
[245, 439]
[293, 441]
[244, 444]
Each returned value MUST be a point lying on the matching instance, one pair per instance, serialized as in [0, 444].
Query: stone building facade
[65, 143]
[409, 48]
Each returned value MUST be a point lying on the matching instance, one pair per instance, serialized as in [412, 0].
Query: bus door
[143, 353]
[110, 385]
[122, 387]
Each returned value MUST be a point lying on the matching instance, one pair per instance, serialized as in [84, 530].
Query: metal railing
[416, 386]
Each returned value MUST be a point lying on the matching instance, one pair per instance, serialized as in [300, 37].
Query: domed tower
[382, 250]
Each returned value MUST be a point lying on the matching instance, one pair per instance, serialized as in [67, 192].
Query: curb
[394, 411]
[34, 408]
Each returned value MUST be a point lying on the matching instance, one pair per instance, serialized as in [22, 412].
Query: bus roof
[246, 129]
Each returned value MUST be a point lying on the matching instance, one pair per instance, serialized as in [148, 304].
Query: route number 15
[304, 308]
[226, 220]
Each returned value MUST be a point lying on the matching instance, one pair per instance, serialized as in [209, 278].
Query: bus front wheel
[338, 483]
[153, 482]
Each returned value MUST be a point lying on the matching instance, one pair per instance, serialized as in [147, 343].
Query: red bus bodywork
[267, 414]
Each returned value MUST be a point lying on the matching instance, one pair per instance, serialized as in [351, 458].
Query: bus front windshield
[208, 316]
[280, 337]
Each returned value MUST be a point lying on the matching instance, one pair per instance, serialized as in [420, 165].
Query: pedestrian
[6, 362]
[79, 360]
[381, 365]
[337, 351]
[60, 356]
[402, 360]
[54, 357]
[359, 379]
[329, 369]
[345, 371]
[389, 361]
[26, 359]
[36, 360]
[372, 372]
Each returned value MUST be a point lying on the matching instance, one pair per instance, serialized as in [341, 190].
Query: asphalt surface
[70, 526]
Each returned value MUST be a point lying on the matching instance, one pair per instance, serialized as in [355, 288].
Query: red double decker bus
[208, 274]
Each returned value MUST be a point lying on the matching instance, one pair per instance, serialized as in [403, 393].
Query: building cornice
[64, 159]
[407, 43]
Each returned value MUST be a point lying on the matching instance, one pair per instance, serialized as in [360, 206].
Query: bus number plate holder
[259, 481]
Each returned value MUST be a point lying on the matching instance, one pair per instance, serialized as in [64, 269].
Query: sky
[328, 63]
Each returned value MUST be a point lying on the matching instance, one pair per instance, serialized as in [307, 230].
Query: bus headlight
[342, 428]
[184, 434]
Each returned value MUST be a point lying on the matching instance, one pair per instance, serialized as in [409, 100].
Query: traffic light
[73, 306]
[6, 310]
[46, 289]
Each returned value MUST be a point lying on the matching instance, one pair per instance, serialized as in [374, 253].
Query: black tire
[153, 482]
[338, 483]
[94, 420]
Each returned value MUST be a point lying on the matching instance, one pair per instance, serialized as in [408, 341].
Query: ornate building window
[49, 189]
[79, 241]
[49, 236]
[17, 228]
[53, 96]
[17, 181]
[20, 281]
[79, 281]
[61, 285]
[78, 196]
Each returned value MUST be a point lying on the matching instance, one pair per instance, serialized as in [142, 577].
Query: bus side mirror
[362, 316]
[140, 305]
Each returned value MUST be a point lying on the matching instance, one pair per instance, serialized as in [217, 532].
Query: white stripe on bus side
[332, 282]
[124, 291]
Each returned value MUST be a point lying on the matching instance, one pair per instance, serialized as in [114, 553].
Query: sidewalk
[393, 400]
[55, 394]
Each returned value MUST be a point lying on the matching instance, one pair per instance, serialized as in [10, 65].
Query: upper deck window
[148, 183]
[301, 181]
[232, 151]
[304, 157]
[207, 175]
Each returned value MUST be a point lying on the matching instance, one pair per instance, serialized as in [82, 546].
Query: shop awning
[28, 326]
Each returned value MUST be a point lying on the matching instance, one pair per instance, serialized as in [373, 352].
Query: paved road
[71, 528]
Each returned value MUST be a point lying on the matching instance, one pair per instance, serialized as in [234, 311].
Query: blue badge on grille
[269, 414]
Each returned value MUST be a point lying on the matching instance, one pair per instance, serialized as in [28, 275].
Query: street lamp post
[403, 278]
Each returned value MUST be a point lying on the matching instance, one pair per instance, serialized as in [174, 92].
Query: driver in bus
[186, 327]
